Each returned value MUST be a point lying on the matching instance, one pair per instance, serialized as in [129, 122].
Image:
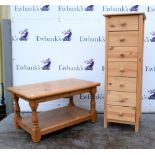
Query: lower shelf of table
[56, 119]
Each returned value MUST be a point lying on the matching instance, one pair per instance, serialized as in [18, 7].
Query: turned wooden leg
[93, 110]
[71, 101]
[17, 116]
[36, 134]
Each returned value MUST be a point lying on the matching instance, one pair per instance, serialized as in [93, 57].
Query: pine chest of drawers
[123, 68]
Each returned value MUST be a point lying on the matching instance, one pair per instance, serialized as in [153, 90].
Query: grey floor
[86, 135]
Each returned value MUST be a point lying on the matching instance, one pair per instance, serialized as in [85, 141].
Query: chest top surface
[126, 14]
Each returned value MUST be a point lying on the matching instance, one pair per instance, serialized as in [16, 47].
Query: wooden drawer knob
[122, 55]
[122, 39]
[122, 69]
[110, 106]
[120, 114]
[121, 84]
[110, 48]
[109, 83]
[122, 99]
[123, 24]
[112, 25]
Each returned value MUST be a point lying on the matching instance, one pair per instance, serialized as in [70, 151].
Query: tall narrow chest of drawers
[123, 68]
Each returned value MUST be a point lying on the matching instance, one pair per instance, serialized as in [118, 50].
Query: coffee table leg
[36, 135]
[71, 101]
[17, 116]
[93, 110]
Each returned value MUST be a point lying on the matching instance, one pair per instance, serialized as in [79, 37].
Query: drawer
[122, 53]
[121, 98]
[120, 113]
[124, 69]
[122, 84]
[129, 38]
[121, 23]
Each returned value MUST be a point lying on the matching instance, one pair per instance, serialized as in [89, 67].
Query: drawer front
[122, 53]
[123, 38]
[124, 69]
[121, 98]
[122, 84]
[120, 113]
[121, 23]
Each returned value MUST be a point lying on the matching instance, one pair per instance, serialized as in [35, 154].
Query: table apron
[64, 95]
[57, 96]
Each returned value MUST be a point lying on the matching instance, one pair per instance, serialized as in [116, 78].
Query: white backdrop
[55, 42]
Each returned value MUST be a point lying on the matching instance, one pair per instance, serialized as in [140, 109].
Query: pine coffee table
[41, 123]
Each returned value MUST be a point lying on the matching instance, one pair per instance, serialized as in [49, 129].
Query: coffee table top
[38, 90]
